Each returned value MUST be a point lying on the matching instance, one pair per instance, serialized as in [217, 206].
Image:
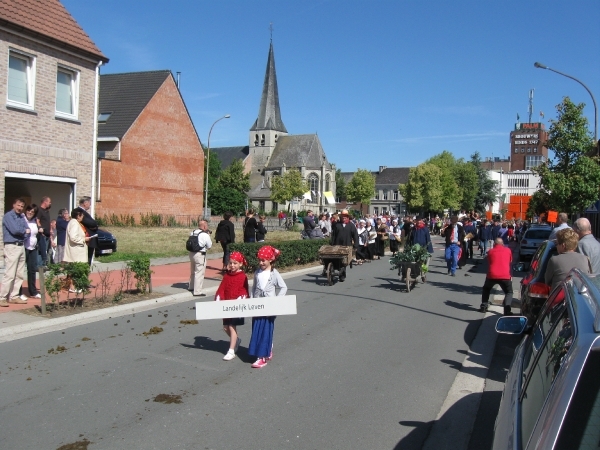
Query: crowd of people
[33, 240]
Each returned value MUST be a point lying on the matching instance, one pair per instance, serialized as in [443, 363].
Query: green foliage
[466, 179]
[451, 195]
[151, 220]
[214, 169]
[412, 253]
[361, 188]
[234, 178]
[227, 199]
[79, 273]
[423, 190]
[288, 186]
[140, 266]
[121, 220]
[487, 189]
[571, 181]
[53, 282]
[340, 185]
[61, 277]
[292, 252]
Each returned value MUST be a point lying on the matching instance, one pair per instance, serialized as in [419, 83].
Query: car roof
[587, 286]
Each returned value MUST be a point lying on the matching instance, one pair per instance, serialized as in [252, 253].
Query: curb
[453, 429]
[60, 323]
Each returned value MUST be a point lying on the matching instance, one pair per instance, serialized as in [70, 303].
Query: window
[385, 195]
[534, 149]
[327, 182]
[376, 195]
[261, 205]
[534, 161]
[262, 139]
[67, 92]
[395, 195]
[549, 343]
[376, 211]
[313, 184]
[528, 149]
[103, 117]
[522, 149]
[516, 150]
[21, 80]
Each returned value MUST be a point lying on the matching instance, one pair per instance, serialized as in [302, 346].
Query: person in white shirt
[198, 259]
[561, 224]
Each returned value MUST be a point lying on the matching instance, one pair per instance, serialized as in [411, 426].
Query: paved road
[364, 365]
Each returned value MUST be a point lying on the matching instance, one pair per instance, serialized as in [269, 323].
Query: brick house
[150, 159]
[50, 74]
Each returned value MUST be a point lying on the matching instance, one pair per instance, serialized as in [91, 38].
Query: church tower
[268, 127]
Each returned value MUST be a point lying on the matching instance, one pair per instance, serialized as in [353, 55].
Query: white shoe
[23, 297]
[38, 295]
[228, 356]
[237, 344]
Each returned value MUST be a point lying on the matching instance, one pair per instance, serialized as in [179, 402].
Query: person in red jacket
[499, 272]
[234, 286]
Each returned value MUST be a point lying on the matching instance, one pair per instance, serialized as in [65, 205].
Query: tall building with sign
[527, 146]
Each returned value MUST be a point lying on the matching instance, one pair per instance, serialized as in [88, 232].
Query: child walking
[234, 286]
[266, 281]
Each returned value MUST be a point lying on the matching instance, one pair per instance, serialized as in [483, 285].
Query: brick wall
[162, 163]
[36, 142]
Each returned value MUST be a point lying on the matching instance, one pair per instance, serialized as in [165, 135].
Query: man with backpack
[198, 244]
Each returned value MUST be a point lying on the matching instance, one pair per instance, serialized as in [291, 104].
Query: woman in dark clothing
[382, 235]
[250, 227]
[225, 235]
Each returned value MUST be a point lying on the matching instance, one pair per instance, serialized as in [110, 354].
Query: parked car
[532, 239]
[551, 397]
[107, 243]
[534, 290]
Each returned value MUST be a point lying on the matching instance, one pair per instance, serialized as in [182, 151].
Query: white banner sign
[249, 307]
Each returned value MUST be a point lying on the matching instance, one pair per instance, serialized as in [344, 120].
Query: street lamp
[226, 116]
[541, 66]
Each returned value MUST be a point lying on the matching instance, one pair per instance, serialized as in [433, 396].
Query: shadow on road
[220, 346]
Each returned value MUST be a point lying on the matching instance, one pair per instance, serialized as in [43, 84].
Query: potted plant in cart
[414, 257]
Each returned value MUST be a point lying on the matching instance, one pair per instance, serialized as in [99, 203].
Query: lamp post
[226, 116]
[541, 66]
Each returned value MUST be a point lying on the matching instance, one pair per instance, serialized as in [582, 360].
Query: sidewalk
[170, 276]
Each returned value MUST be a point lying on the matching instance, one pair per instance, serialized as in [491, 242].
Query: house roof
[392, 176]
[297, 151]
[227, 154]
[269, 115]
[260, 192]
[48, 20]
[125, 95]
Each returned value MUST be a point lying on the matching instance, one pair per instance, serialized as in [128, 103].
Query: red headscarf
[237, 256]
[268, 252]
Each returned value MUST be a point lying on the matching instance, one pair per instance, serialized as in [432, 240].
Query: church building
[272, 151]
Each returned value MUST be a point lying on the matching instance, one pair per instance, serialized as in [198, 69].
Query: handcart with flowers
[412, 264]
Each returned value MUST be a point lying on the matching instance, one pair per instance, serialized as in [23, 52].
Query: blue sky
[383, 82]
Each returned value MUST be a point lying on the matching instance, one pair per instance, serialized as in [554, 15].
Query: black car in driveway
[534, 290]
[551, 397]
[107, 243]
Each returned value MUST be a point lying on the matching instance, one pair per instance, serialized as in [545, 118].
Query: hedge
[292, 252]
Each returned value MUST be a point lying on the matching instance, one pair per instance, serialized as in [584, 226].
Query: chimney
[382, 168]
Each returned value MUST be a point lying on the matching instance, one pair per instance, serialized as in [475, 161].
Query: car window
[550, 341]
[581, 427]
[538, 234]
[535, 261]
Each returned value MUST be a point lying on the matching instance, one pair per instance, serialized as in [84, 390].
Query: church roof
[125, 95]
[260, 192]
[48, 20]
[297, 151]
[269, 115]
[227, 154]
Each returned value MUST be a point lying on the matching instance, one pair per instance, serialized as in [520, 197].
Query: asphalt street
[363, 365]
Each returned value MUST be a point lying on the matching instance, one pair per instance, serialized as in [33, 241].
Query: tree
[487, 189]
[235, 178]
[451, 196]
[423, 190]
[214, 169]
[227, 199]
[466, 180]
[361, 187]
[571, 181]
[288, 186]
[340, 185]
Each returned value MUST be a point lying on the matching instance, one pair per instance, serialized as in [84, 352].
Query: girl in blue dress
[266, 282]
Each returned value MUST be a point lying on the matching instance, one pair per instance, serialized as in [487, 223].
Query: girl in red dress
[234, 286]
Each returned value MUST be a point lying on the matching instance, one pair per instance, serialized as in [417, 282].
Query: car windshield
[538, 234]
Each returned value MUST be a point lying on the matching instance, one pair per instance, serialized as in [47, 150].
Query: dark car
[551, 397]
[107, 243]
[534, 290]
[532, 239]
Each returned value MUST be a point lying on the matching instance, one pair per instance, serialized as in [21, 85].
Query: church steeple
[269, 115]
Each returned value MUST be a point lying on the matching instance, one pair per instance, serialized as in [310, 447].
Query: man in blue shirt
[14, 230]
